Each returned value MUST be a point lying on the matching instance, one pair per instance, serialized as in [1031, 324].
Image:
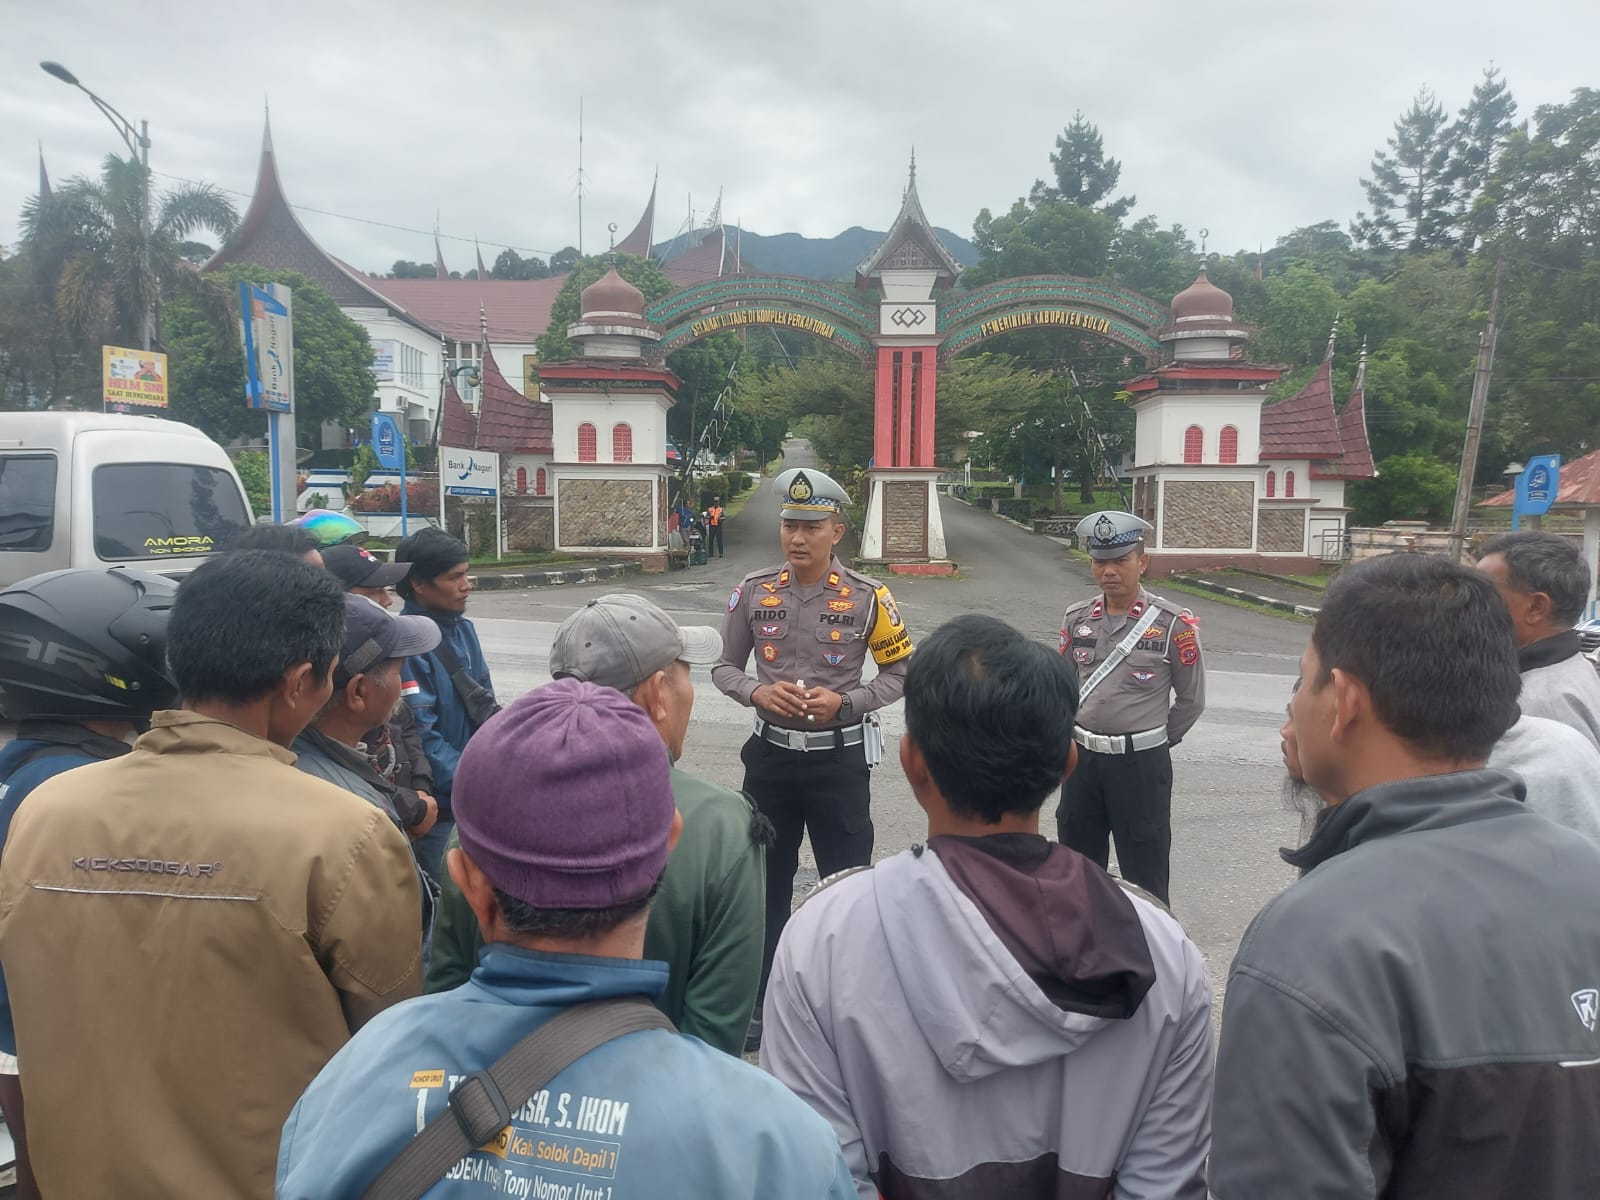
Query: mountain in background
[834, 258]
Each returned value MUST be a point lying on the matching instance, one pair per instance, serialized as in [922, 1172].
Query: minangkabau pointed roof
[508, 421]
[271, 236]
[1307, 426]
[640, 241]
[911, 244]
[458, 428]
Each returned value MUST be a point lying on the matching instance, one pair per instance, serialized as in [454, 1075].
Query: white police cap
[809, 495]
[1111, 534]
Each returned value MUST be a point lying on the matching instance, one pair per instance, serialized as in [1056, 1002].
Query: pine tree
[1084, 175]
[1412, 192]
[1479, 134]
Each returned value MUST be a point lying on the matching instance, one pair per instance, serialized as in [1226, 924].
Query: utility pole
[1480, 400]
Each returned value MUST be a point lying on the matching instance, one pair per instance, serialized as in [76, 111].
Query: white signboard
[469, 472]
[383, 359]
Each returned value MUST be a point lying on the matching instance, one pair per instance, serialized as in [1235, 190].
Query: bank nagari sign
[469, 472]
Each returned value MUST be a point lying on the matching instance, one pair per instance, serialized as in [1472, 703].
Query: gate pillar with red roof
[904, 532]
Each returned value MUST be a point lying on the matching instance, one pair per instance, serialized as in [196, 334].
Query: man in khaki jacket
[192, 930]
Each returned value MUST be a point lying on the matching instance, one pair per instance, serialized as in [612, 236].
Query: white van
[84, 489]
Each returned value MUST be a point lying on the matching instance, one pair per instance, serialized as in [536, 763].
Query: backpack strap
[481, 1104]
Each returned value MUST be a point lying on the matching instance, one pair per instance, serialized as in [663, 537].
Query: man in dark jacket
[366, 683]
[449, 690]
[1417, 1016]
[395, 747]
[707, 924]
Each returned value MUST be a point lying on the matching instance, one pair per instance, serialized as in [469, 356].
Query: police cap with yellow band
[809, 495]
[1111, 534]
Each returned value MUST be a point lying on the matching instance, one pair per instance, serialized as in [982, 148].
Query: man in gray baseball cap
[707, 922]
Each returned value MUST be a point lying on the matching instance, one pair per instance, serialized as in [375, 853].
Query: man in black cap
[395, 747]
[449, 690]
[1143, 687]
[366, 688]
[811, 624]
[363, 573]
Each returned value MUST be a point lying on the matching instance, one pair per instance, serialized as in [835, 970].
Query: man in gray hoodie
[1417, 1015]
[1545, 583]
[991, 1014]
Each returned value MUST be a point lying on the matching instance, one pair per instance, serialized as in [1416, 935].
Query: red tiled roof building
[1226, 477]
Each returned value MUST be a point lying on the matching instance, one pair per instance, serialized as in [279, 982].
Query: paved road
[1228, 818]
[1228, 815]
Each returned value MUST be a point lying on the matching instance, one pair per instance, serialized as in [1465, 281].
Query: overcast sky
[1248, 119]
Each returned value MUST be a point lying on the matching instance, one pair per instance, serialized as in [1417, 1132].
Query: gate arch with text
[1051, 301]
[778, 301]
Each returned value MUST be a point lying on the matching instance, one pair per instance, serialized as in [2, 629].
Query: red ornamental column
[923, 451]
[883, 410]
[902, 434]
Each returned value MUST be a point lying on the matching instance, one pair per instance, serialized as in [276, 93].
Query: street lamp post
[1512, 473]
[138, 141]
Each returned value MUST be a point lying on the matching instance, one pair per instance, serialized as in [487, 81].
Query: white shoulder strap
[1124, 648]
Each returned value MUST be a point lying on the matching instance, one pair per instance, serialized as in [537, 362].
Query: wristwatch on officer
[846, 709]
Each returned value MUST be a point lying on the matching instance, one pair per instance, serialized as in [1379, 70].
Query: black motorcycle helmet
[86, 644]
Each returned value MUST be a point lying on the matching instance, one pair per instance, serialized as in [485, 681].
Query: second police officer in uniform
[811, 623]
[1143, 680]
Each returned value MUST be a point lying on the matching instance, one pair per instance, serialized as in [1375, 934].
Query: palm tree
[85, 240]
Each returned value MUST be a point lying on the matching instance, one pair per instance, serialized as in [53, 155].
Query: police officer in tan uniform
[811, 623]
[1144, 687]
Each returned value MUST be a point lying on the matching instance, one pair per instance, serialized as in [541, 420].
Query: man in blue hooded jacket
[566, 818]
[448, 689]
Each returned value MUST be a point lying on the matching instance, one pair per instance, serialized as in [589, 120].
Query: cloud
[1248, 120]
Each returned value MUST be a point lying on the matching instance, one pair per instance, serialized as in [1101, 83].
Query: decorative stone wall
[1197, 515]
[530, 526]
[905, 519]
[1281, 530]
[606, 512]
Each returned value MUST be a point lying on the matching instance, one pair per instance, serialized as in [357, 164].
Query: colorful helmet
[331, 528]
[86, 644]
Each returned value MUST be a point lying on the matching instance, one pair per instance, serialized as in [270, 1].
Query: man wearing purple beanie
[564, 808]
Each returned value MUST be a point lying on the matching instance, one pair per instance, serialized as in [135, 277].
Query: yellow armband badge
[890, 640]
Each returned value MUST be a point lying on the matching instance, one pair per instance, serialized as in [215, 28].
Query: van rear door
[166, 516]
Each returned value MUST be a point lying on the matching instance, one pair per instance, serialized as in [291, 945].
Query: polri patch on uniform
[1083, 655]
[771, 630]
[844, 591]
[1188, 647]
[1142, 676]
[833, 660]
[1084, 631]
[842, 605]
[769, 652]
[1062, 642]
[834, 635]
[733, 600]
[771, 601]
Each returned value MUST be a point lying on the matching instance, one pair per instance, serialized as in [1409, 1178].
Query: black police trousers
[826, 793]
[714, 539]
[1128, 797]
